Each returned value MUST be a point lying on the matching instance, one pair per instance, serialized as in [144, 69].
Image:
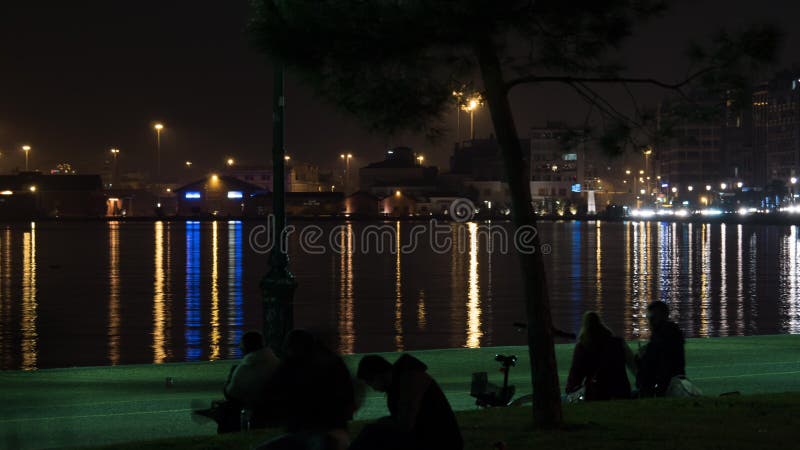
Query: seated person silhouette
[245, 386]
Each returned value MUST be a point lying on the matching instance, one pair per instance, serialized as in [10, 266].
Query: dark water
[116, 293]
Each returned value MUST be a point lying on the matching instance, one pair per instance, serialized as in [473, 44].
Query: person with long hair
[599, 362]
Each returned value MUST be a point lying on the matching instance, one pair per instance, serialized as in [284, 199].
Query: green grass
[108, 405]
[766, 420]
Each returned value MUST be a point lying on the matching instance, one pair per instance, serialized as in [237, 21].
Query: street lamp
[230, 162]
[346, 158]
[470, 106]
[739, 184]
[188, 164]
[690, 188]
[26, 149]
[158, 127]
[708, 187]
[115, 173]
[723, 186]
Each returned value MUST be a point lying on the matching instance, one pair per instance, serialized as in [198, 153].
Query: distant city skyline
[80, 79]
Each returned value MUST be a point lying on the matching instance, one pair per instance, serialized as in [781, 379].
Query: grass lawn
[107, 405]
[761, 421]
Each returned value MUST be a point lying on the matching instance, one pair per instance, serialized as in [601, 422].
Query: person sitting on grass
[312, 394]
[244, 388]
[598, 362]
[662, 358]
[420, 415]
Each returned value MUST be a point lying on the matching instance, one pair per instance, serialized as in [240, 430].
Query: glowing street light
[739, 184]
[420, 158]
[158, 127]
[690, 188]
[115, 173]
[346, 158]
[230, 162]
[470, 106]
[26, 149]
[287, 158]
[188, 164]
[723, 186]
[708, 187]
[793, 180]
[674, 190]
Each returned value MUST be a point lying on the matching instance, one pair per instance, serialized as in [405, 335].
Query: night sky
[77, 78]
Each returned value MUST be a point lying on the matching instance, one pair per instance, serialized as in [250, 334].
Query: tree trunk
[546, 391]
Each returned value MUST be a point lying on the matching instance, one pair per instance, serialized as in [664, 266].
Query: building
[480, 167]
[401, 170]
[693, 156]
[362, 204]
[33, 194]
[300, 177]
[298, 204]
[215, 195]
[557, 167]
[776, 128]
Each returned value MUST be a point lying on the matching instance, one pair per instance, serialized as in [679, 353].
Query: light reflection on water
[719, 280]
[29, 301]
[113, 294]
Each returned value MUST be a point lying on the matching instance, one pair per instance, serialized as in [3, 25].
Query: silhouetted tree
[395, 64]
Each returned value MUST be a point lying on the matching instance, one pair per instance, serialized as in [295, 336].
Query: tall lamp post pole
[115, 170]
[278, 285]
[346, 158]
[158, 128]
[26, 149]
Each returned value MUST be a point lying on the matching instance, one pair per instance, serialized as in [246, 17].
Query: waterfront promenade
[105, 405]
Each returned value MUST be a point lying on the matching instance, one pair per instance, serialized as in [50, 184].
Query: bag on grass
[680, 386]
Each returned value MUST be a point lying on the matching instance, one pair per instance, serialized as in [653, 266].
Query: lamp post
[158, 127]
[230, 162]
[278, 284]
[470, 107]
[647, 153]
[794, 181]
[26, 149]
[115, 171]
[346, 158]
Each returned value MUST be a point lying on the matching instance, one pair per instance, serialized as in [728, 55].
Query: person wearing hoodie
[420, 415]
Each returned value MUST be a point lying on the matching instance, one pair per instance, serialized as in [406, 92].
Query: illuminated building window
[192, 195]
[234, 194]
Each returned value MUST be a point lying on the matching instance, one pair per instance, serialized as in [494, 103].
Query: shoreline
[778, 219]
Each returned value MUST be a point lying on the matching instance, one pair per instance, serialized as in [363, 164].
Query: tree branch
[529, 79]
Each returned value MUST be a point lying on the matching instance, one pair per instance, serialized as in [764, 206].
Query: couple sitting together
[600, 359]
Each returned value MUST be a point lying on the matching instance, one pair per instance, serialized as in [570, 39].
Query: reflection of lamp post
[26, 149]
